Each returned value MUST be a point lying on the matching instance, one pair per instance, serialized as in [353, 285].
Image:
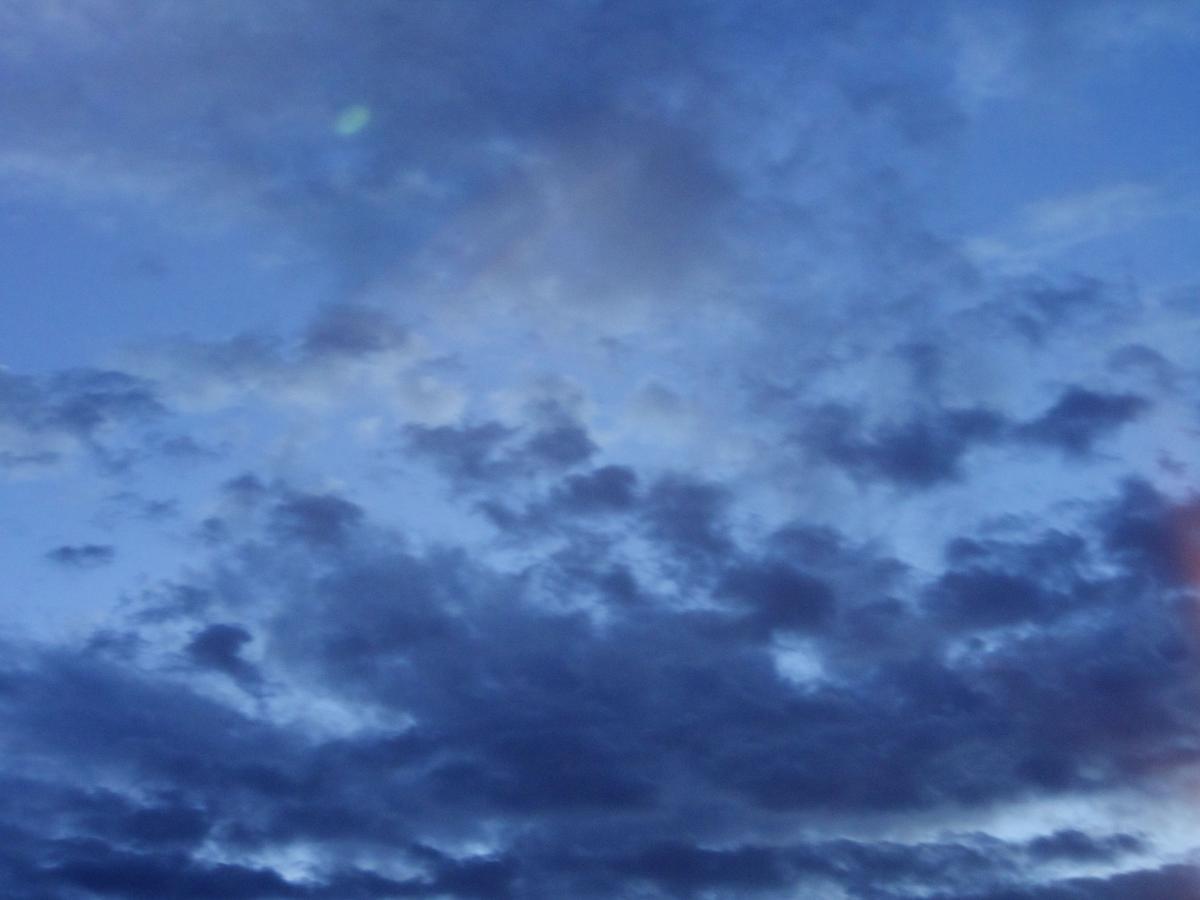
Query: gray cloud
[82, 556]
[556, 726]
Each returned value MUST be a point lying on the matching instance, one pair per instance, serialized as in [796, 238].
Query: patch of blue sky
[82, 282]
[1112, 126]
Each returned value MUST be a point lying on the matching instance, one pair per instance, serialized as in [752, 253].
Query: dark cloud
[1041, 307]
[685, 870]
[931, 448]
[778, 596]
[466, 454]
[624, 728]
[367, 621]
[996, 583]
[977, 598]
[352, 331]
[1166, 883]
[1156, 538]
[564, 445]
[76, 405]
[920, 452]
[219, 647]
[609, 488]
[557, 727]
[576, 501]
[316, 519]
[1080, 418]
[82, 556]
[689, 517]
[1072, 844]
[115, 874]
[246, 489]
[488, 455]
[84, 400]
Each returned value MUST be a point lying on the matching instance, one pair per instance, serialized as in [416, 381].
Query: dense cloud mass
[599, 450]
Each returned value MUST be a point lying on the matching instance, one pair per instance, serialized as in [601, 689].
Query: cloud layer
[686, 450]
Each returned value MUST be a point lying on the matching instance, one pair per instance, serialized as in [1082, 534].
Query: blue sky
[599, 449]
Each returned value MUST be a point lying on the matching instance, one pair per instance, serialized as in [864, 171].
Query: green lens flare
[352, 120]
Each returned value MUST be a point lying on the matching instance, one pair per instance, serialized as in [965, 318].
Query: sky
[599, 449]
